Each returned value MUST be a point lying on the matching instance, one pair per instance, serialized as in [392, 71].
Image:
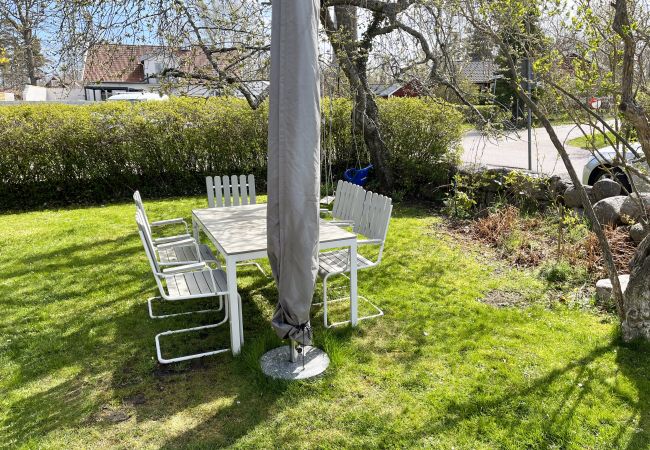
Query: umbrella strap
[302, 327]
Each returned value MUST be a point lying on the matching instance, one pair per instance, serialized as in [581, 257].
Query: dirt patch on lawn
[531, 241]
[504, 299]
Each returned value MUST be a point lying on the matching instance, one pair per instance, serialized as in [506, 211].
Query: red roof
[119, 63]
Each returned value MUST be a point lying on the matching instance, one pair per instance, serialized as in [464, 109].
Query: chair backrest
[375, 217]
[230, 191]
[139, 206]
[145, 237]
[348, 202]
[147, 241]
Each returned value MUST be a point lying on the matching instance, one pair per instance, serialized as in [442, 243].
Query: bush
[486, 188]
[61, 154]
[424, 137]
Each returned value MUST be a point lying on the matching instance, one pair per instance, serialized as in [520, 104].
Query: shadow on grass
[93, 364]
[634, 363]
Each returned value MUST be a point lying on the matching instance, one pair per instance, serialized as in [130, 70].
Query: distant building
[115, 68]
[483, 74]
[412, 88]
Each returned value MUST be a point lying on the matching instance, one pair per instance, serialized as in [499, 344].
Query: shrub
[61, 154]
[423, 136]
[491, 188]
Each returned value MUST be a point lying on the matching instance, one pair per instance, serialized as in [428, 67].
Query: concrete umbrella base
[277, 363]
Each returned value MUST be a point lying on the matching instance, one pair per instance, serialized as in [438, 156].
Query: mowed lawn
[440, 370]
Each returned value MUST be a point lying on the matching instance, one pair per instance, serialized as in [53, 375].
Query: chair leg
[379, 312]
[188, 330]
[256, 264]
[241, 321]
[164, 316]
[325, 301]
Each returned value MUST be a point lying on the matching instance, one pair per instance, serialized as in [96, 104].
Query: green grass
[440, 370]
[597, 141]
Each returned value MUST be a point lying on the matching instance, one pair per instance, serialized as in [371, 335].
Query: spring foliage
[62, 154]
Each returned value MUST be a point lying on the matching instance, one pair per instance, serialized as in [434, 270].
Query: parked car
[137, 97]
[600, 166]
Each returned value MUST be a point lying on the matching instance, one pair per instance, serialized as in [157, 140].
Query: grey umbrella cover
[294, 163]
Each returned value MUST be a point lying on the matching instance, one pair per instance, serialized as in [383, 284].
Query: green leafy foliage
[62, 154]
[474, 191]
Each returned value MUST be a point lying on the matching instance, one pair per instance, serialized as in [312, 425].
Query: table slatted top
[242, 229]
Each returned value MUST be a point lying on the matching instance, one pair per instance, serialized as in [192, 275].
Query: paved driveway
[511, 150]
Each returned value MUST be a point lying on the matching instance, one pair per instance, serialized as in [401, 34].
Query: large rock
[572, 196]
[634, 206]
[605, 188]
[558, 184]
[604, 288]
[608, 210]
[638, 232]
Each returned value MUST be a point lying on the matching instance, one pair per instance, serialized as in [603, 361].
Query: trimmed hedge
[62, 154]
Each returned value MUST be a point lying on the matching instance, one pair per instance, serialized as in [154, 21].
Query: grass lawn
[440, 370]
[597, 141]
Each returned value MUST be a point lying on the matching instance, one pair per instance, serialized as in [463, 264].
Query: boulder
[608, 210]
[605, 188]
[559, 184]
[638, 232]
[633, 207]
[604, 288]
[572, 196]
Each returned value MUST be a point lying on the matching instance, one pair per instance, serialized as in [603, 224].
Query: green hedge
[61, 154]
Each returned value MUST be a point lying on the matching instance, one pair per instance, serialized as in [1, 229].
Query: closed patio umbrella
[294, 163]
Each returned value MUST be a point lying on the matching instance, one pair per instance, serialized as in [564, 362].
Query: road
[511, 150]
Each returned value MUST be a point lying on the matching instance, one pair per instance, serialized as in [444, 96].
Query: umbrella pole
[293, 351]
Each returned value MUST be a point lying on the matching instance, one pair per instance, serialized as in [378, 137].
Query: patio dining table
[239, 234]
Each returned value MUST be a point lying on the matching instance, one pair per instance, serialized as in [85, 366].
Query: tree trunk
[636, 303]
[633, 112]
[365, 113]
[635, 322]
[30, 63]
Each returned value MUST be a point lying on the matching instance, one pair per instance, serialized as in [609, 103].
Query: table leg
[354, 313]
[233, 307]
[195, 228]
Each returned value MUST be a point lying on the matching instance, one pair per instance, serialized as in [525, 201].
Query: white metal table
[239, 234]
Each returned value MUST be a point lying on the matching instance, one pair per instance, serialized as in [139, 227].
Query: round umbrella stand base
[276, 363]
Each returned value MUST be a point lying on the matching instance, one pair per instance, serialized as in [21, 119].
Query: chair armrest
[369, 242]
[342, 223]
[188, 241]
[160, 223]
[164, 240]
[194, 267]
[325, 211]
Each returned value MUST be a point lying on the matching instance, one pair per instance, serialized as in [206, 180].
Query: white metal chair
[224, 191]
[230, 190]
[161, 223]
[191, 281]
[348, 204]
[154, 253]
[176, 253]
[373, 224]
